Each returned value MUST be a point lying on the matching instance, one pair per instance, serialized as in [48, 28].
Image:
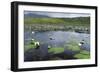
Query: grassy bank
[79, 21]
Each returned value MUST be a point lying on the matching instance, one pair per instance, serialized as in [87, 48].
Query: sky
[58, 14]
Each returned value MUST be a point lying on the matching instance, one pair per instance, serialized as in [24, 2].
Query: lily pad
[83, 55]
[30, 45]
[84, 52]
[56, 50]
[73, 46]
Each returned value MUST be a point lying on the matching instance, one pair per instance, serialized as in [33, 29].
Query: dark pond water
[55, 39]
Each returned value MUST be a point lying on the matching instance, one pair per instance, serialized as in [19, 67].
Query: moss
[56, 50]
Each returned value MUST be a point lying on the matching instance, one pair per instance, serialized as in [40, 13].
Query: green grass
[82, 55]
[42, 21]
[56, 50]
[79, 21]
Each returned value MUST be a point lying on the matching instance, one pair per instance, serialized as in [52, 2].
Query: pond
[54, 39]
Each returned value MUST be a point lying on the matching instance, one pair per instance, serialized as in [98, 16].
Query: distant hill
[35, 15]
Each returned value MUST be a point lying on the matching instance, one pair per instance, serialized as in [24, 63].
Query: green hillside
[82, 21]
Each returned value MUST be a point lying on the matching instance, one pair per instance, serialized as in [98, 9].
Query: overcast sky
[59, 14]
